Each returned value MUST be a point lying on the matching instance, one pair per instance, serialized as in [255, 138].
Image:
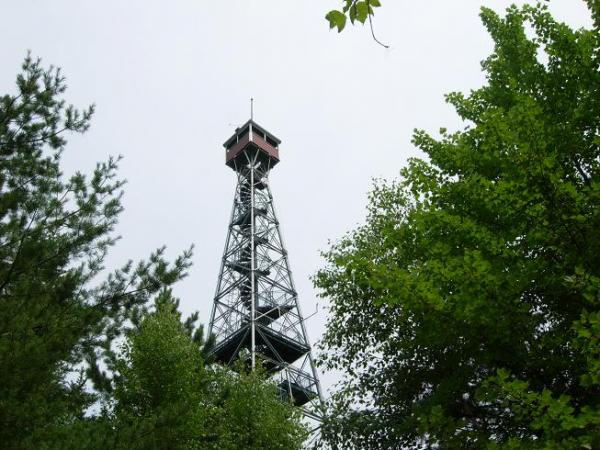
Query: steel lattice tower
[256, 316]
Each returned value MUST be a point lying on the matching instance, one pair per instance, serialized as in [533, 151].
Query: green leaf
[352, 13]
[362, 11]
[336, 19]
[374, 3]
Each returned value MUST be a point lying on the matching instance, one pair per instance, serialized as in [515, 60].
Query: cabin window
[242, 133]
[271, 142]
[258, 132]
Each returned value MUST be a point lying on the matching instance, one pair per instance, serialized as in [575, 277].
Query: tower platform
[269, 343]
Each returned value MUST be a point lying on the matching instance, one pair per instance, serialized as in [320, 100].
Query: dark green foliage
[466, 312]
[63, 384]
[54, 235]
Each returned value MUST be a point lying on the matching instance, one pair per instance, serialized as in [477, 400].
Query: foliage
[355, 10]
[466, 311]
[57, 319]
[63, 383]
[159, 388]
[167, 397]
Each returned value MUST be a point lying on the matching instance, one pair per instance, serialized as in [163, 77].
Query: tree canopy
[166, 396]
[86, 360]
[466, 311]
[54, 235]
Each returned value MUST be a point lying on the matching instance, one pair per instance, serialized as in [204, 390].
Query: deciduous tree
[466, 311]
[167, 397]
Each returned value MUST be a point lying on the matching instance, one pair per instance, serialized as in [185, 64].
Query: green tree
[466, 311]
[249, 414]
[57, 318]
[166, 397]
[160, 384]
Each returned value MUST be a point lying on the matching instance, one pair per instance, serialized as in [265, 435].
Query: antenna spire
[251, 109]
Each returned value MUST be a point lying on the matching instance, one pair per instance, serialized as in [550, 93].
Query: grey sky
[171, 80]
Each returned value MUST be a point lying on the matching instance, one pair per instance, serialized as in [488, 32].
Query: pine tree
[58, 319]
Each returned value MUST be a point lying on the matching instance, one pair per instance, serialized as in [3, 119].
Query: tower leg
[252, 269]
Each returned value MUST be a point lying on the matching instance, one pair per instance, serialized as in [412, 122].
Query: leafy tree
[57, 318]
[248, 413]
[466, 311]
[166, 397]
[159, 386]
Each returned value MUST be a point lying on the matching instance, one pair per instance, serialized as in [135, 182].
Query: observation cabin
[249, 140]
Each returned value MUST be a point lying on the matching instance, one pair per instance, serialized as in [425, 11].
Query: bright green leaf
[362, 11]
[352, 13]
[336, 19]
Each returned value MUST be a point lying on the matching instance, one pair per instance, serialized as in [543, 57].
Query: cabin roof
[254, 125]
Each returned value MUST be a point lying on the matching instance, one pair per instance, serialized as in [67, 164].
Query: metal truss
[256, 316]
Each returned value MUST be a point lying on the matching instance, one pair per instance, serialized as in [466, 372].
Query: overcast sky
[172, 79]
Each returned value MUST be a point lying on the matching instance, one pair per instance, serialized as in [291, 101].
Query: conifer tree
[58, 318]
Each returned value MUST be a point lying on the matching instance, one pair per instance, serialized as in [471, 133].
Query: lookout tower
[256, 316]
